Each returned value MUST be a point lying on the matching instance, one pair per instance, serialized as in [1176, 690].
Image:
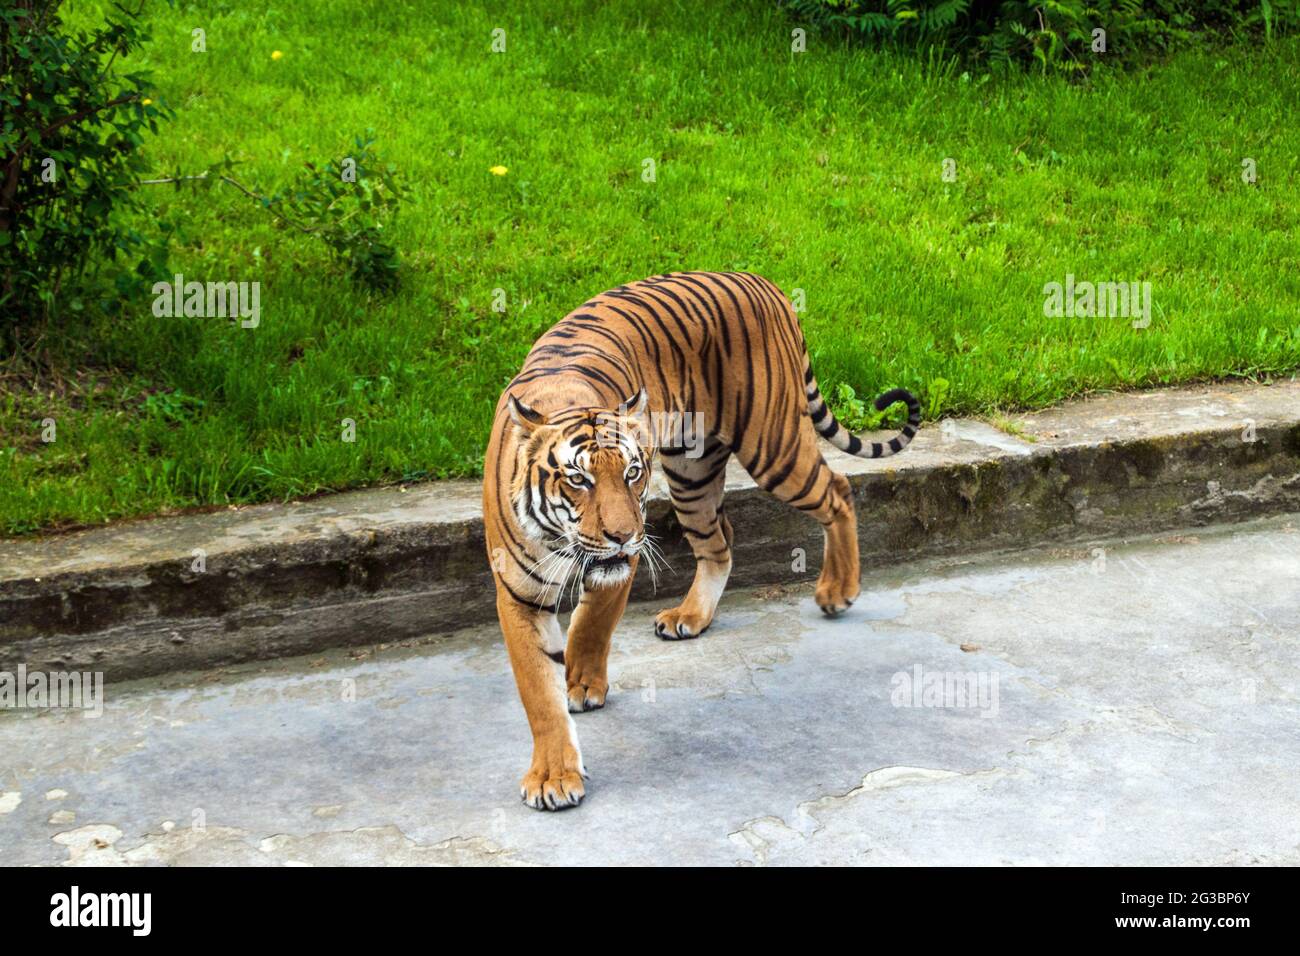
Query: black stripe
[688, 484]
[548, 608]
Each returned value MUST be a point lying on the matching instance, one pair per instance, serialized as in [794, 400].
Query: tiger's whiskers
[655, 560]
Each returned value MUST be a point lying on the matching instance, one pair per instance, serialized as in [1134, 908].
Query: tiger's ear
[633, 411]
[524, 417]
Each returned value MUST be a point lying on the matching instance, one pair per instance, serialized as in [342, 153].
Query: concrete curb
[391, 564]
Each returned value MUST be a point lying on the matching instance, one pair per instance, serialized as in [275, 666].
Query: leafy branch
[345, 204]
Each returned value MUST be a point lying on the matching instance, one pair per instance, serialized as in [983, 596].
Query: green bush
[346, 205]
[71, 133]
[70, 138]
[1057, 35]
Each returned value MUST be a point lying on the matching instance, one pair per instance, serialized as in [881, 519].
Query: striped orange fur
[567, 470]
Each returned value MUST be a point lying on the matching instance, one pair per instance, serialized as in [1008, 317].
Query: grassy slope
[820, 170]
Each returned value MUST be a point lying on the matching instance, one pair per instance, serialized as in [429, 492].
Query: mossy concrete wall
[391, 564]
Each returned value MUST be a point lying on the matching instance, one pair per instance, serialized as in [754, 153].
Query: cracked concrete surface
[1115, 703]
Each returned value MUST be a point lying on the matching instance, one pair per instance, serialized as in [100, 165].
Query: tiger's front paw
[587, 693]
[680, 624]
[555, 783]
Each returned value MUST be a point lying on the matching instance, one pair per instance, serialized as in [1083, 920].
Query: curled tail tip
[824, 422]
[900, 440]
[898, 395]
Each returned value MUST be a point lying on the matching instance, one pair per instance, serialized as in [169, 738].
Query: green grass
[820, 171]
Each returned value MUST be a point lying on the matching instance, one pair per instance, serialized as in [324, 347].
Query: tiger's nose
[619, 537]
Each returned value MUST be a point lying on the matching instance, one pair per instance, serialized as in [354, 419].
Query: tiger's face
[581, 488]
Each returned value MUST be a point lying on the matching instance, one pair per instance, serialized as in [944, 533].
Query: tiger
[567, 475]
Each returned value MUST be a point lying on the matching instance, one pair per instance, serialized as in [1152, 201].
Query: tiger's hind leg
[802, 478]
[696, 485]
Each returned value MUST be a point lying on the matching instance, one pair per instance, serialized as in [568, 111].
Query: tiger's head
[581, 487]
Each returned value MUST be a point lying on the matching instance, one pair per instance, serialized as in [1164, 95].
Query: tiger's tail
[824, 421]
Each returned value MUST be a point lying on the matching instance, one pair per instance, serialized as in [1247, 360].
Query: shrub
[70, 142]
[71, 133]
[1056, 34]
[346, 205]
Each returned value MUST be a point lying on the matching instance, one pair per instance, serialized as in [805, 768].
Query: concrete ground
[1132, 703]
